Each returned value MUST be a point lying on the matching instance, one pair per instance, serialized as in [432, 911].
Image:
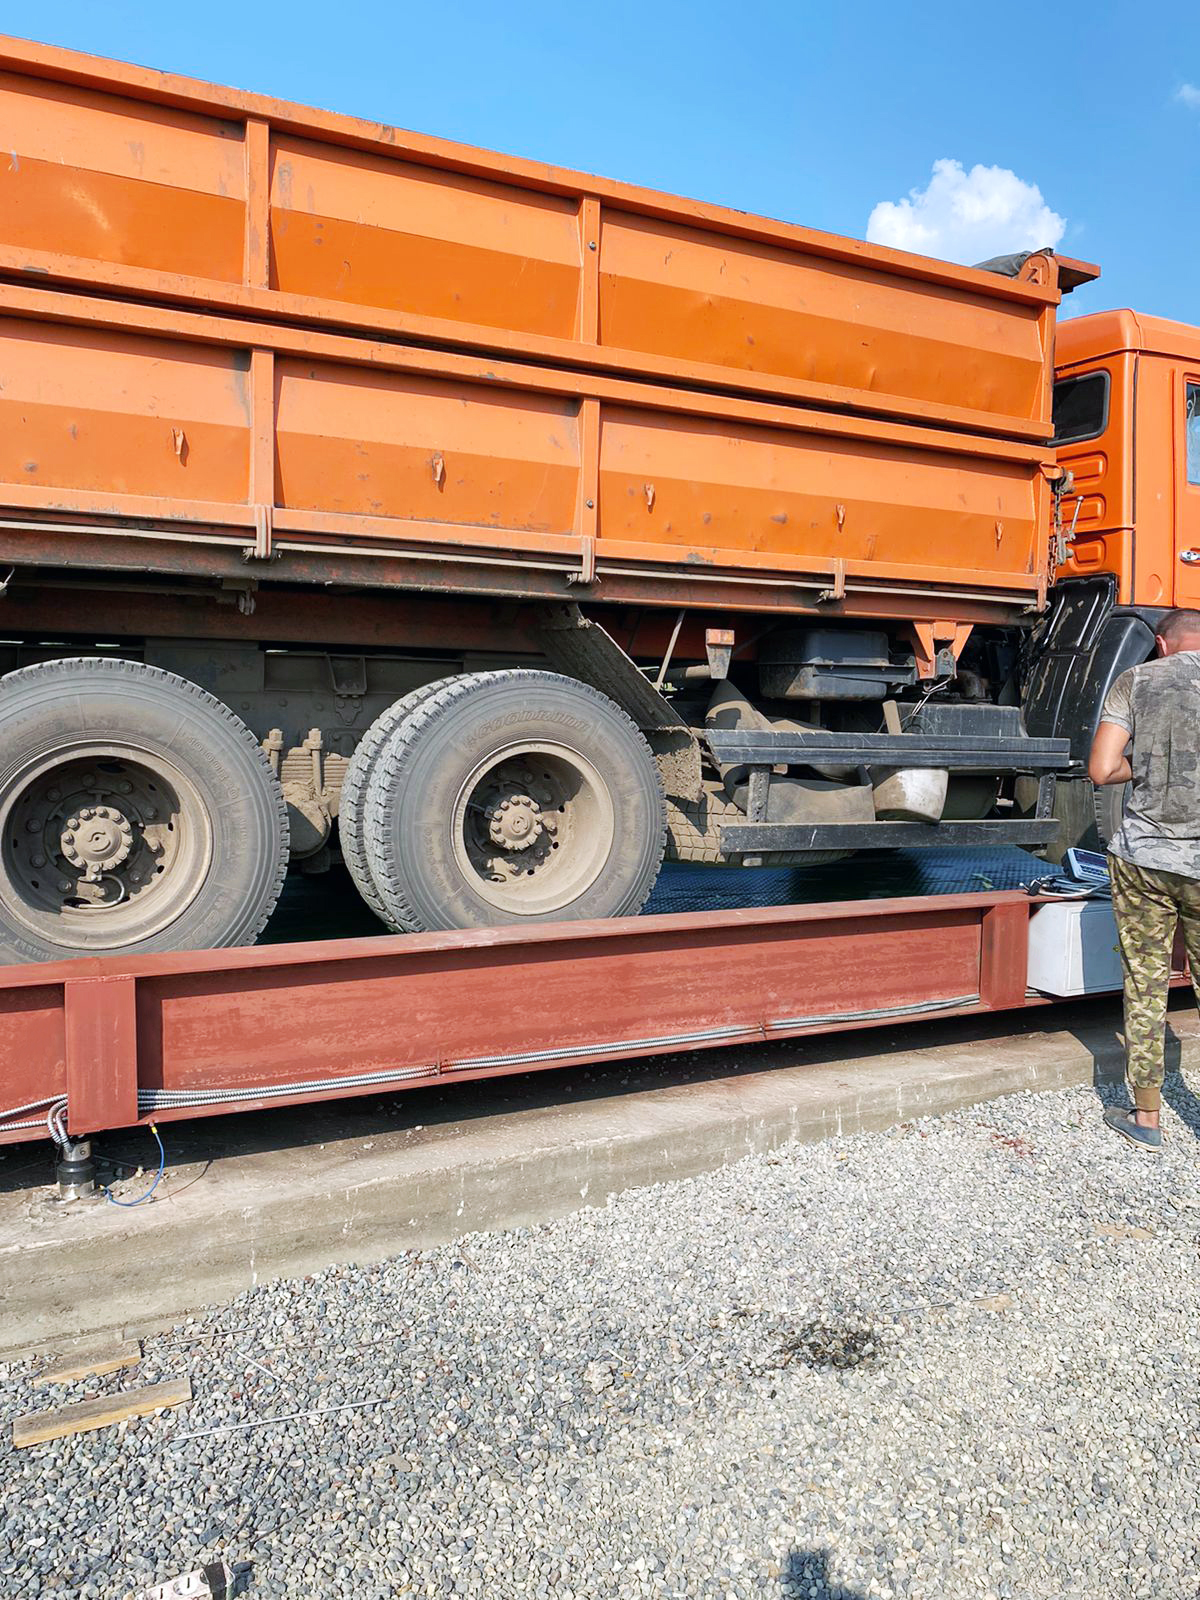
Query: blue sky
[814, 113]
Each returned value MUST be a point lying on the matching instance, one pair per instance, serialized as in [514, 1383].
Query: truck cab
[1127, 428]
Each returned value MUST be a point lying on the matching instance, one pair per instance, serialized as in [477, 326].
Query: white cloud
[1187, 94]
[967, 216]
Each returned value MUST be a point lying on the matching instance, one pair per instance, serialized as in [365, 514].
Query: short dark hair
[1180, 624]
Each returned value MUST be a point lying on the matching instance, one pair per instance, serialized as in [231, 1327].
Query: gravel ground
[956, 1359]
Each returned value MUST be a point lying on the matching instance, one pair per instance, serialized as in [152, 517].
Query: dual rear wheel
[502, 797]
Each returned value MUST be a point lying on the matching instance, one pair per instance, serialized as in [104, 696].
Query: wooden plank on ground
[90, 1363]
[87, 1415]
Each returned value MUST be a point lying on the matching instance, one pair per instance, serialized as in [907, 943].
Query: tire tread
[355, 785]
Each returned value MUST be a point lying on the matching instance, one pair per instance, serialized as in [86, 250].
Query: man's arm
[1108, 762]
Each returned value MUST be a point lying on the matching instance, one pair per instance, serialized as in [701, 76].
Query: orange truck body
[231, 325]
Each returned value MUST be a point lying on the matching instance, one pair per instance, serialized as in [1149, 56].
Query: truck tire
[351, 828]
[1075, 812]
[1088, 816]
[137, 813]
[512, 797]
[1109, 805]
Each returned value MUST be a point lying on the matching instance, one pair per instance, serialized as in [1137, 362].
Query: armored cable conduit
[174, 1099]
[182, 1099]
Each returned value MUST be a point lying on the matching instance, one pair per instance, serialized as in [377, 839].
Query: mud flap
[581, 648]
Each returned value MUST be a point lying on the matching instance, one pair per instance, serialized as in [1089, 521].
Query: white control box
[1073, 948]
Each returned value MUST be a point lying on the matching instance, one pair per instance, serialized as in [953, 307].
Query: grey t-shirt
[1158, 704]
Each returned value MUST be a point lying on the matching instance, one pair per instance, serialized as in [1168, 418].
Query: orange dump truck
[501, 528]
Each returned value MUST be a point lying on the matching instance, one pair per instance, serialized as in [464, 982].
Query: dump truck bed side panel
[162, 188]
[123, 412]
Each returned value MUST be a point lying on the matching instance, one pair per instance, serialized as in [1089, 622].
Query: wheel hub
[515, 822]
[97, 839]
[532, 826]
[94, 837]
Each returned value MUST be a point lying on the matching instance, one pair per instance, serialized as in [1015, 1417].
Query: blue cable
[162, 1163]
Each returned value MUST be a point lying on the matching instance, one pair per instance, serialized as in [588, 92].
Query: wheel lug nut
[124, 787]
[53, 794]
[39, 861]
[72, 822]
[87, 813]
[64, 884]
[88, 780]
[33, 825]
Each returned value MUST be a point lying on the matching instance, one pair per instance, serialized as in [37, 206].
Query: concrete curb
[382, 1182]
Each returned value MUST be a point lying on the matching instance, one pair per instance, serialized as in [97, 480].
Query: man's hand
[1108, 762]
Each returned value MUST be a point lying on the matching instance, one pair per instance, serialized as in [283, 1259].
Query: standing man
[1149, 737]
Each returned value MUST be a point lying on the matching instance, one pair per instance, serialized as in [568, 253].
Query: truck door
[1187, 520]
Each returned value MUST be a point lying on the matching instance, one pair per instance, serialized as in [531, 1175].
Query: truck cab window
[1080, 407]
[1193, 433]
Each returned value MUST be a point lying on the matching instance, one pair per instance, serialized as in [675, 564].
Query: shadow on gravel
[806, 1573]
[1178, 1093]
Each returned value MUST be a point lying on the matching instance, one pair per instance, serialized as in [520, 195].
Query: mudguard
[1084, 645]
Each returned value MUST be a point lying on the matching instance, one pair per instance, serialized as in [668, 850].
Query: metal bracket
[239, 591]
[759, 793]
[587, 570]
[838, 592]
[264, 533]
[347, 675]
[718, 647]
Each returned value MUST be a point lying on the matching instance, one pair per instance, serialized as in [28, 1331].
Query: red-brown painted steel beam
[306, 1022]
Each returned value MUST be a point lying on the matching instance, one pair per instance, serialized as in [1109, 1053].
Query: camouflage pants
[1148, 905]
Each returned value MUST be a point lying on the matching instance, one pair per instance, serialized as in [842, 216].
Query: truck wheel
[1075, 812]
[515, 796]
[137, 813]
[1109, 805]
[351, 828]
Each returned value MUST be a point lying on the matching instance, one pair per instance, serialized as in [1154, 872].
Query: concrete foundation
[281, 1193]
